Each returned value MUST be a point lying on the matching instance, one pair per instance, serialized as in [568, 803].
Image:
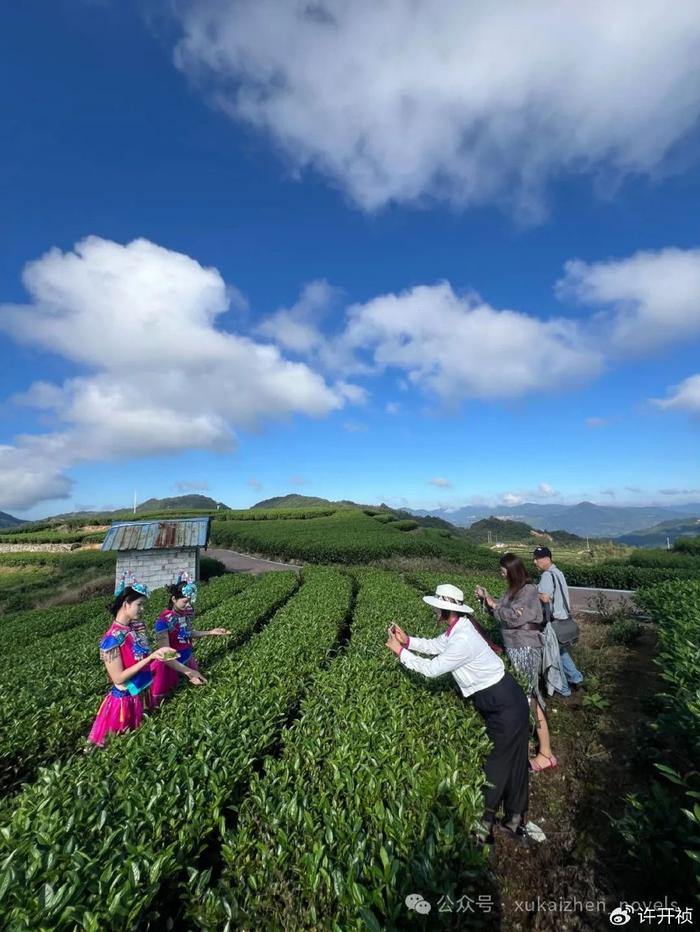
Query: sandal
[536, 768]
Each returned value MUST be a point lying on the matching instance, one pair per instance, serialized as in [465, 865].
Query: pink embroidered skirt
[165, 679]
[119, 713]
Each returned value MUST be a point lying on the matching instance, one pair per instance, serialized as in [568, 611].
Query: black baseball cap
[540, 552]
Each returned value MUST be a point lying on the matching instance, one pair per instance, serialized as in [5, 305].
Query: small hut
[157, 551]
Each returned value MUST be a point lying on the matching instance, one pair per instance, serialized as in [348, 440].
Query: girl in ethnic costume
[127, 657]
[174, 630]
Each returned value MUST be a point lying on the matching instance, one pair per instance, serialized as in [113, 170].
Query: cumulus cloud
[160, 378]
[27, 476]
[402, 100]
[457, 346]
[646, 300]
[392, 407]
[441, 483]
[683, 397]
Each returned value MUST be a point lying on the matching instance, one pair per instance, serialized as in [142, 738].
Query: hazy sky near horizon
[414, 251]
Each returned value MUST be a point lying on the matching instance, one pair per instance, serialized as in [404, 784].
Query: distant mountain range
[9, 520]
[637, 526]
[661, 534]
[584, 519]
[151, 506]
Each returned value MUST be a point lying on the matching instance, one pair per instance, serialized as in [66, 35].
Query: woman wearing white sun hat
[481, 677]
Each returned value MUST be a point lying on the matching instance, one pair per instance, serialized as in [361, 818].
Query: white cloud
[27, 476]
[399, 100]
[684, 397]
[516, 497]
[441, 483]
[392, 407]
[458, 346]
[191, 487]
[161, 378]
[647, 299]
[296, 328]
[354, 427]
[354, 394]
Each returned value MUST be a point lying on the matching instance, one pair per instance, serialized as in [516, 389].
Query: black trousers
[506, 713]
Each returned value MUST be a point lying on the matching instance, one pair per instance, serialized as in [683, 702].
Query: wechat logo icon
[415, 901]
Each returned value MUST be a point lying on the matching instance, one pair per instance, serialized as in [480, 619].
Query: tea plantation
[303, 787]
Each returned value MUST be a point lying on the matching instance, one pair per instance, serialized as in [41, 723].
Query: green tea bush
[349, 537]
[363, 806]
[209, 567]
[622, 576]
[689, 545]
[90, 844]
[624, 632]
[666, 559]
[662, 826]
[407, 524]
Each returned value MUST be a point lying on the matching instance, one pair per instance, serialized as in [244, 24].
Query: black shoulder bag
[565, 629]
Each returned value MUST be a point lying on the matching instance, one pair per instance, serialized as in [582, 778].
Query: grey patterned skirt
[527, 661]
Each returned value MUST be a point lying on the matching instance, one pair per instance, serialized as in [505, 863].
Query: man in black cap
[554, 590]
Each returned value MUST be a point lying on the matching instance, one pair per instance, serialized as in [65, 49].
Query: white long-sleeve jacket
[462, 652]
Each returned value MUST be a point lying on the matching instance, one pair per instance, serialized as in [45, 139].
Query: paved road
[582, 600]
[242, 563]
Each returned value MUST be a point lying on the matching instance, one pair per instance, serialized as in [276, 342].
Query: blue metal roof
[157, 535]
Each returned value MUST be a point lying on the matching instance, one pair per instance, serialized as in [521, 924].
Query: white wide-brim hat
[449, 598]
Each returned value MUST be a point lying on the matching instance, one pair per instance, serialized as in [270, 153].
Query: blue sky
[344, 254]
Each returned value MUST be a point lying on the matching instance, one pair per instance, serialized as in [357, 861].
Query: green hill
[498, 530]
[180, 503]
[310, 501]
[346, 535]
[9, 520]
[657, 535]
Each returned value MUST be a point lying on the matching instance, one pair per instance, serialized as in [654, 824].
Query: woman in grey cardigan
[520, 613]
